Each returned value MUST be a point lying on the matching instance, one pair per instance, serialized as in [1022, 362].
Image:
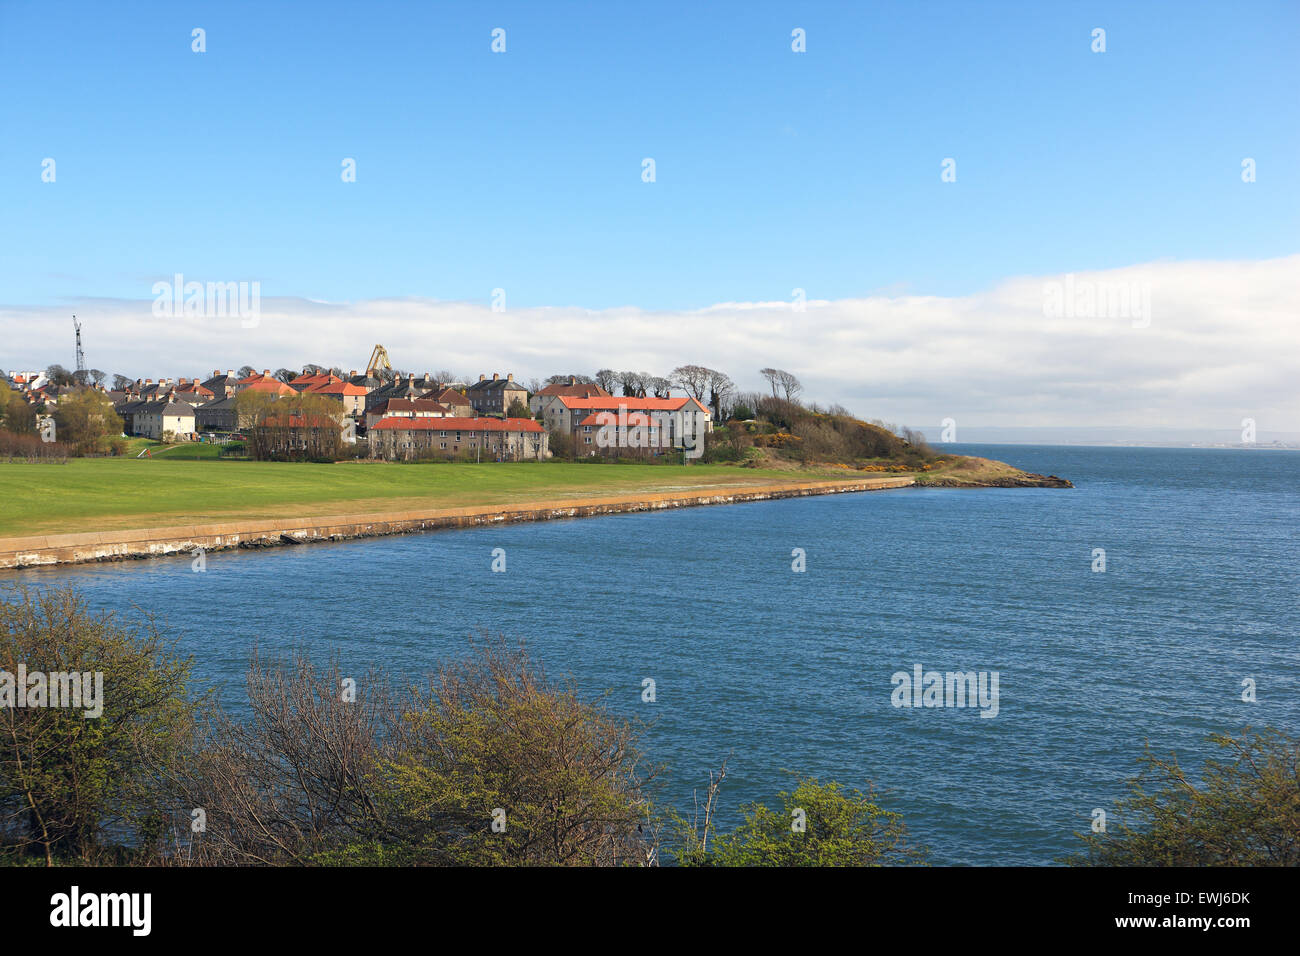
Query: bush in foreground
[76, 785]
[817, 824]
[1244, 810]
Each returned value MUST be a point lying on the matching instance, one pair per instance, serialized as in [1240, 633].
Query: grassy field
[103, 494]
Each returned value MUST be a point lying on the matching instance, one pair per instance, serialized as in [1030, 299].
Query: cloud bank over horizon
[1159, 345]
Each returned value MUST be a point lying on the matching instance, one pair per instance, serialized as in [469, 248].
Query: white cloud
[1223, 343]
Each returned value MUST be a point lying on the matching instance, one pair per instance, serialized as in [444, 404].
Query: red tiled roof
[632, 404]
[634, 420]
[275, 386]
[336, 387]
[459, 424]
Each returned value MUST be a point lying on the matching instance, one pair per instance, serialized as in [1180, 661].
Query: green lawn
[183, 451]
[101, 494]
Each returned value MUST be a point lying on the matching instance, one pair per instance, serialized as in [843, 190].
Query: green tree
[817, 824]
[518, 409]
[15, 414]
[75, 784]
[503, 766]
[88, 422]
[1243, 811]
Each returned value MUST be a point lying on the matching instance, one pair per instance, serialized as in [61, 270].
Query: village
[384, 414]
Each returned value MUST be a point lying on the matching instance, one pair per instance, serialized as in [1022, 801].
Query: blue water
[790, 673]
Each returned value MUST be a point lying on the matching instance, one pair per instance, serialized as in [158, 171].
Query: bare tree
[693, 379]
[790, 386]
[659, 386]
[295, 778]
[784, 384]
[607, 379]
[721, 388]
[631, 382]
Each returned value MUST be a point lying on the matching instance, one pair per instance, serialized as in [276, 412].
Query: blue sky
[522, 170]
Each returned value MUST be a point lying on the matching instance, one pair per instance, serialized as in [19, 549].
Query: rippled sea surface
[791, 673]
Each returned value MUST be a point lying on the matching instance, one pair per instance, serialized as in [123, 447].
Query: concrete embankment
[43, 550]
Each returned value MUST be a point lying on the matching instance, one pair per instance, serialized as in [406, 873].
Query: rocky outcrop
[1023, 480]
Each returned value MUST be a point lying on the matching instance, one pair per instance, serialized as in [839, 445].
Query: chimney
[148, 381]
[183, 380]
[266, 371]
[510, 377]
[230, 372]
[354, 373]
[495, 376]
[426, 378]
[216, 373]
[572, 380]
[481, 377]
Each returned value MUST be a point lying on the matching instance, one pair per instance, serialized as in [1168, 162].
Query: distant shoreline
[1189, 446]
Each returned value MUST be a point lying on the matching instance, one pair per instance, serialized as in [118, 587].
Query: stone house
[488, 439]
[495, 395]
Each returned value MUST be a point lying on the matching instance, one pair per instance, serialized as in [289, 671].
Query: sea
[1151, 605]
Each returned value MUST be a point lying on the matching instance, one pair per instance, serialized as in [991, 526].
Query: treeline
[487, 762]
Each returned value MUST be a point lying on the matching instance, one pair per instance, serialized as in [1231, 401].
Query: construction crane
[378, 356]
[81, 356]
